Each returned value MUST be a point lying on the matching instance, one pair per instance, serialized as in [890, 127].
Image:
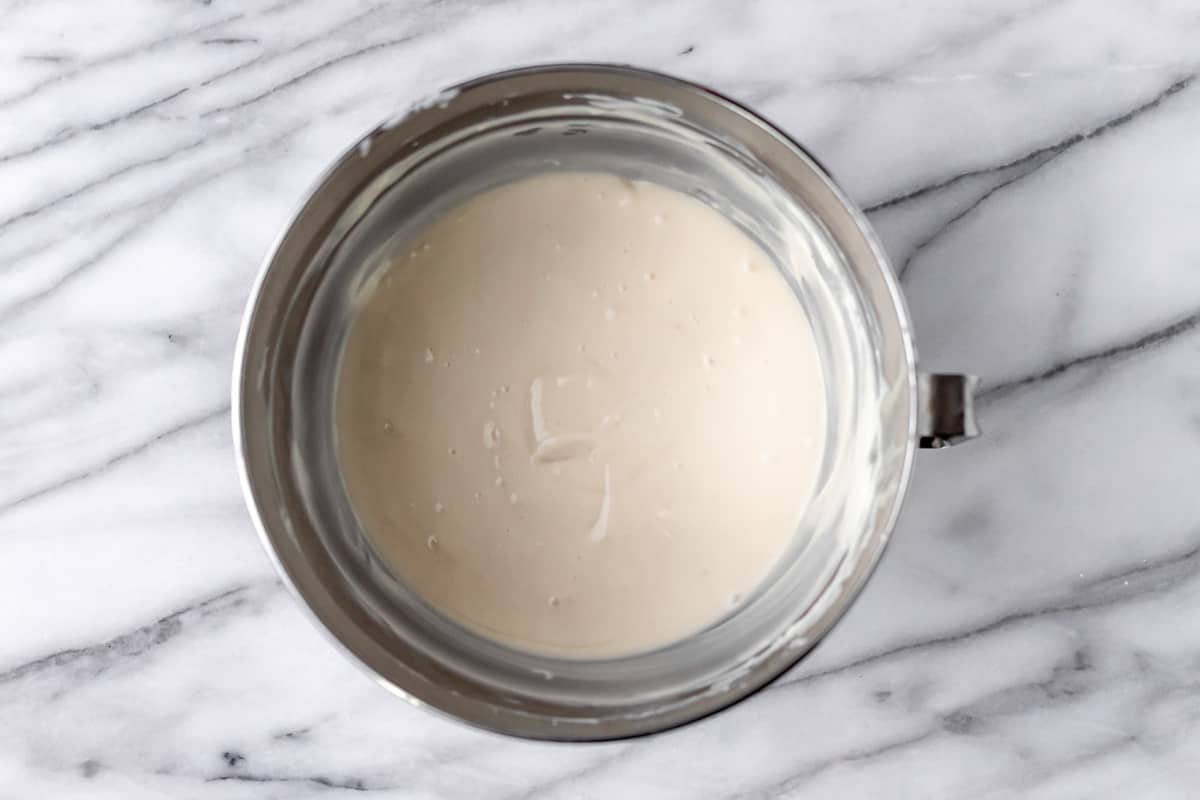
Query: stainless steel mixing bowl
[492, 130]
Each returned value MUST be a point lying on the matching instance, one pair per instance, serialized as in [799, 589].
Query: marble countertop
[1034, 169]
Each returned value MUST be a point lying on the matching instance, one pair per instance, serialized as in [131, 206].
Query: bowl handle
[946, 409]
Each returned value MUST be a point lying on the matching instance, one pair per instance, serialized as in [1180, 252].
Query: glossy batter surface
[582, 415]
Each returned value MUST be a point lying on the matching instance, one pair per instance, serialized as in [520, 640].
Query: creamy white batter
[582, 415]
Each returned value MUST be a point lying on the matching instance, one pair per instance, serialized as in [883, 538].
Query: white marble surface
[1033, 166]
